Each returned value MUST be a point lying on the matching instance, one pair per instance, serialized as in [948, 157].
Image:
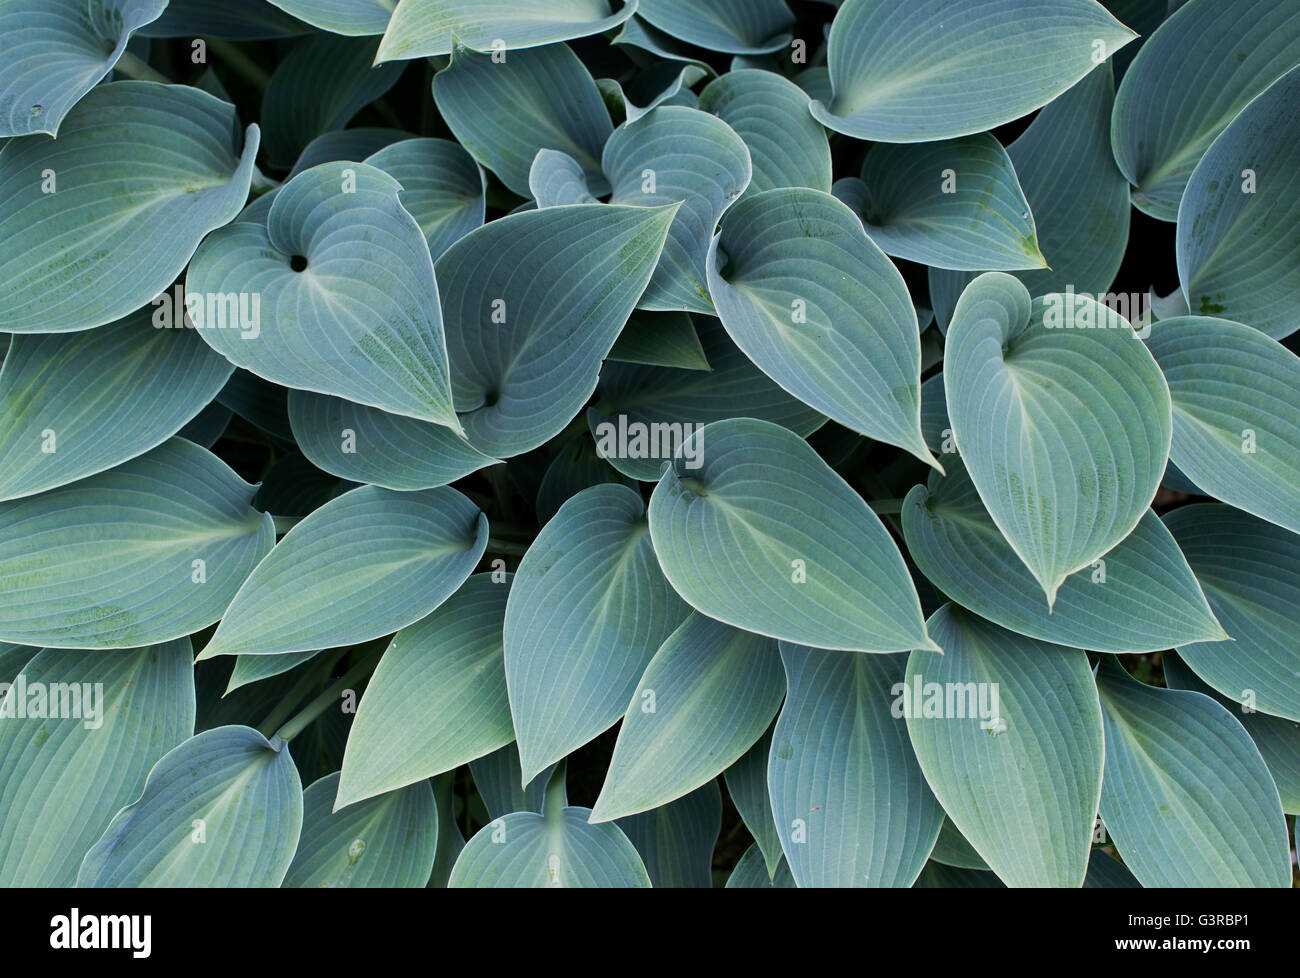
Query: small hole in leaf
[298, 263]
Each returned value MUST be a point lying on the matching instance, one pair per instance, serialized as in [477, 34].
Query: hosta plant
[615, 443]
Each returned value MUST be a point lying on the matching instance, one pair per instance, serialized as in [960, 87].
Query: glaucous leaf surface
[351, 17]
[850, 802]
[150, 551]
[934, 69]
[1062, 418]
[754, 529]
[421, 28]
[387, 841]
[1238, 247]
[1190, 79]
[1186, 795]
[709, 692]
[74, 721]
[676, 840]
[75, 404]
[729, 26]
[437, 699]
[588, 609]
[344, 276]
[98, 222]
[52, 52]
[816, 306]
[1009, 735]
[362, 566]
[442, 187]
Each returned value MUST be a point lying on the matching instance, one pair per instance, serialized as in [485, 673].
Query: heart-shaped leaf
[1008, 733]
[934, 69]
[150, 551]
[223, 809]
[1062, 417]
[360, 567]
[950, 204]
[349, 311]
[754, 529]
[94, 224]
[436, 700]
[849, 799]
[706, 696]
[587, 611]
[821, 310]
[533, 303]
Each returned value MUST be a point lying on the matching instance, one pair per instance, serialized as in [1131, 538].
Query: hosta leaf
[147, 552]
[940, 876]
[532, 303]
[587, 611]
[1186, 796]
[730, 26]
[679, 154]
[676, 840]
[1238, 244]
[450, 839]
[820, 309]
[556, 847]
[356, 315]
[664, 83]
[208, 425]
[360, 567]
[389, 841]
[1140, 597]
[259, 402]
[365, 444]
[751, 874]
[341, 144]
[934, 69]
[747, 786]
[760, 533]
[420, 28]
[255, 668]
[437, 699]
[648, 396]
[1278, 739]
[53, 52]
[578, 466]
[660, 339]
[554, 104]
[1079, 199]
[1251, 573]
[786, 145]
[74, 404]
[1188, 81]
[706, 696]
[1063, 420]
[442, 187]
[223, 809]
[65, 777]
[96, 223]
[1008, 732]
[13, 658]
[556, 179]
[355, 18]
[636, 33]
[850, 802]
[320, 86]
[951, 204]
[1236, 398]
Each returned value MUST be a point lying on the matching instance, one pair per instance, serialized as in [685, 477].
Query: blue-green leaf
[442, 187]
[730, 26]
[96, 223]
[676, 840]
